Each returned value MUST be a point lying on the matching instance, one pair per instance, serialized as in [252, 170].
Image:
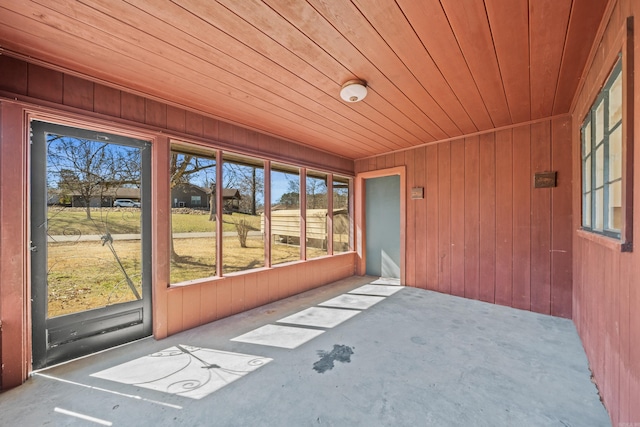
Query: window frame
[189, 147]
[344, 180]
[310, 175]
[182, 148]
[622, 240]
[590, 204]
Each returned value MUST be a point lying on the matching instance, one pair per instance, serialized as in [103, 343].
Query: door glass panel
[94, 245]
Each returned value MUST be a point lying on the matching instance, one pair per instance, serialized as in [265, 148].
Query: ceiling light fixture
[353, 91]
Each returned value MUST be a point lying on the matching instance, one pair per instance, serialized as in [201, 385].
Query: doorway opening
[383, 226]
[380, 198]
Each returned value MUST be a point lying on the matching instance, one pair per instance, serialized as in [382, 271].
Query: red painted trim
[14, 253]
[330, 214]
[267, 213]
[161, 223]
[219, 210]
[303, 213]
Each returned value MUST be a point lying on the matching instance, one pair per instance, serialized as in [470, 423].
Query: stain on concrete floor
[340, 353]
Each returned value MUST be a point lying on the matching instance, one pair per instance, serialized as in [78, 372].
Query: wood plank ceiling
[435, 69]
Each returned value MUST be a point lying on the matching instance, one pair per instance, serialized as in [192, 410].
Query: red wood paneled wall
[50, 93]
[197, 304]
[482, 231]
[606, 297]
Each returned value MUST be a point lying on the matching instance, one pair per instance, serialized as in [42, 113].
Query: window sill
[207, 280]
[607, 242]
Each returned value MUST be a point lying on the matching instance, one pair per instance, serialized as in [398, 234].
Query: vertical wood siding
[482, 231]
[200, 303]
[606, 295]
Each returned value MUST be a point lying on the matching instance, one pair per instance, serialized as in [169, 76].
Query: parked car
[125, 203]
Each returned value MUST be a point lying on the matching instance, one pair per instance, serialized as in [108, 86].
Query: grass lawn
[198, 256]
[86, 275]
[74, 221]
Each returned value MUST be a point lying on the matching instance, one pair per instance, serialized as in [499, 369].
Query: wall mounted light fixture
[353, 91]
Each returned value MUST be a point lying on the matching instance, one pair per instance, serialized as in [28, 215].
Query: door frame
[124, 321]
[360, 217]
[15, 163]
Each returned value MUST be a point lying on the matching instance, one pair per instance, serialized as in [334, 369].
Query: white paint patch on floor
[360, 302]
[380, 290]
[319, 317]
[83, 416]
[279, 336]
[184, 370]
[386, 281]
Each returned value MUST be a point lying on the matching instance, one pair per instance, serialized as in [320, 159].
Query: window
[602, 162]
[201, 248]
[243, 200]
[317, 203]
[285, 214]
[193, 226]
[341, 216]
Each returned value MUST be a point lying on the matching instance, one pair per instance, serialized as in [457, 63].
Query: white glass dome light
[353, 91]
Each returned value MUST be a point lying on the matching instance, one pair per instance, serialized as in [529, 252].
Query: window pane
[316, 214]
[599, 123]
[340, 214]
[599, 166]
[615, 101]
[615, 206]
[615, 154]
[285, 214]
[193, 226]
[586, 219]
[243, 200]
[602, 163]
[599, 219]
[586, 140]
[587, 174]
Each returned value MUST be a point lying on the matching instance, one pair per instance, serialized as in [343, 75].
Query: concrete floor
[412, 358]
